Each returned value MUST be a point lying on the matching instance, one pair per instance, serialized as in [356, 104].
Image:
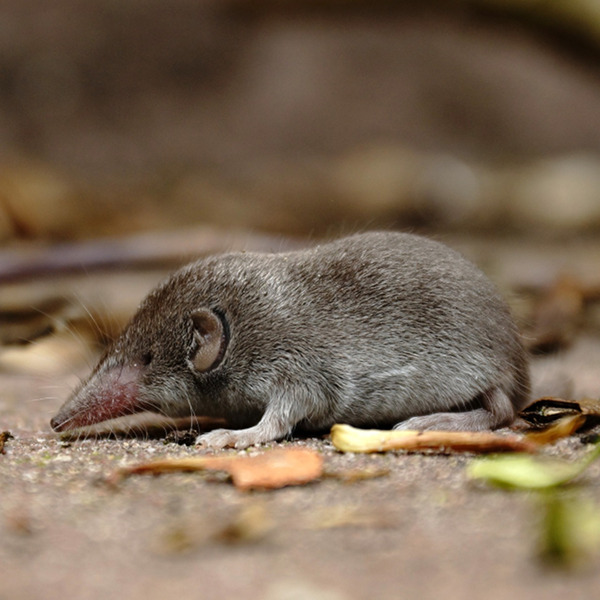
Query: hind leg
[497, 411]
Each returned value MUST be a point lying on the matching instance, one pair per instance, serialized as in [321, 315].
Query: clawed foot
[229, 438]
[269, 429]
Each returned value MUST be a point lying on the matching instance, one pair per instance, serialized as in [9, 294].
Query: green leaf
[570, 529]
[526, 472]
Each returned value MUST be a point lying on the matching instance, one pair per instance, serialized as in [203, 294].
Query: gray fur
[374, 330]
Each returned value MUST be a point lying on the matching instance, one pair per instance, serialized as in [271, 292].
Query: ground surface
[421, 530]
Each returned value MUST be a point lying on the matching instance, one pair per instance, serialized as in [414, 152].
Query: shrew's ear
[210, 338]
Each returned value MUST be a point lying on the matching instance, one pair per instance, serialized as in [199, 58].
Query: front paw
[217, 439]
[228, 438]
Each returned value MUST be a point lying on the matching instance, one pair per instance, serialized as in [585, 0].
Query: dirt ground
[306, 118]
[421, 529]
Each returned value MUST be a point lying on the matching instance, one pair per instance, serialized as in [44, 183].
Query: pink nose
[105, 396]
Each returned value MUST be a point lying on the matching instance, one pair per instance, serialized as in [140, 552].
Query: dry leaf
[4, 437]
[557, 316]
[278, 468]
[180, 538]
[548, 409]
[19, 521]
[560, 429]
[349, 439]
[270, 470]
[250, 524]
[555, 418]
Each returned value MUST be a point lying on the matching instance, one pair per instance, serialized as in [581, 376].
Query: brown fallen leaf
[19, 521]
[547, 410]
[4, 436]
[172, 465]
[349, 439]
[557, 316]
[554, 418]
[278, 468]
[249, 524]
[270, 470]
[562, 428]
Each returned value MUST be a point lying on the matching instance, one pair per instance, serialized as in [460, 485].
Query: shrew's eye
[146, 358]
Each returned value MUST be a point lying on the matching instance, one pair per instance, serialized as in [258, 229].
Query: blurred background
[136, 134]
[298, 117]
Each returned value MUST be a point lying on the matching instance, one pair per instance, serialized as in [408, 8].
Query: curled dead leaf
[560, 429]
[4, 436]
[557, 316]
[547, 410]
[269, 470]
[544, 411]
[278, 468]
[250, 524]
[350, 439]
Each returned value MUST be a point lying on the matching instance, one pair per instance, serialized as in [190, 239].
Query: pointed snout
[106, 395]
